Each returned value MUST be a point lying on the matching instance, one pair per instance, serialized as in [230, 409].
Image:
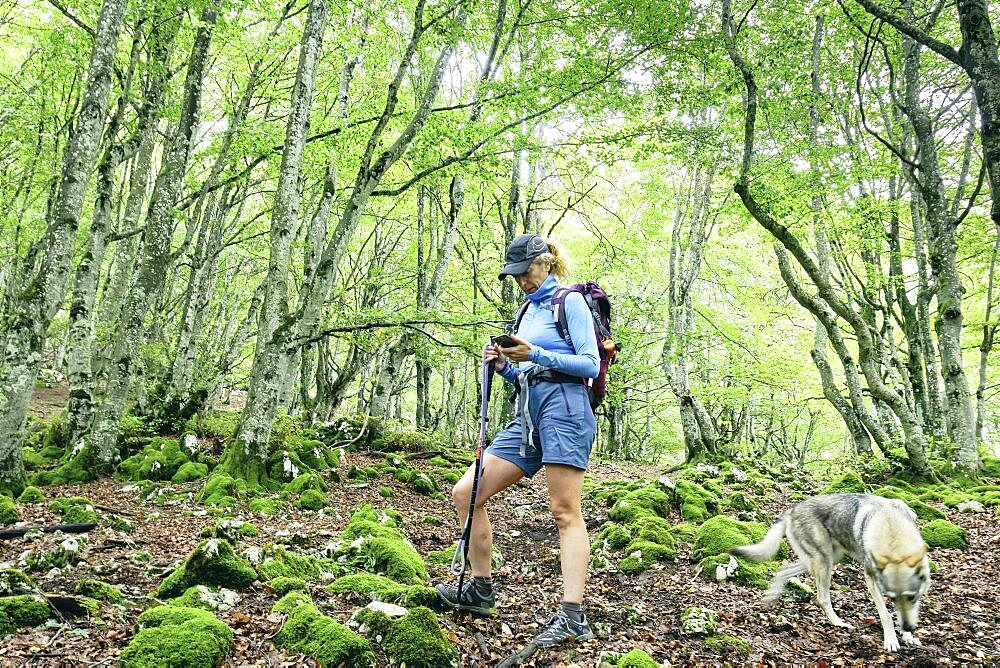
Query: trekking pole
[459, 561]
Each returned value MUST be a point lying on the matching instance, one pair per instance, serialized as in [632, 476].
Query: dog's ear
[881, 560]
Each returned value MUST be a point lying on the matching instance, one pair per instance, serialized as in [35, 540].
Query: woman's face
[534, 277]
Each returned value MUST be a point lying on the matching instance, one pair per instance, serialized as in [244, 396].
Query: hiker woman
[555, 429]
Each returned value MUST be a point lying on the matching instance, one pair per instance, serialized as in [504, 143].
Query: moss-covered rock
[942, 533]
[17, 612]
[696, 503]
[266, 506]
[641, 554]
[696, 621]
[312, 499]
[740, 571]
[159, 460]
[207, 598]
[280, 562]
[727, 643]
[8, 511]
[177, 636]
[612, 535]
[648, 500]
[31, 494]
[212, 562]
[223, 490]
[308, 631]
[371, 541]
[74, 510]
[637, 658]
[417, 641]
[846, 483]
[190, 471]
[922, 510]
[14, 582]
[230, 529]
[282, 585]
[368, 586]
[684, 532]
[720, 533]
[97, 589]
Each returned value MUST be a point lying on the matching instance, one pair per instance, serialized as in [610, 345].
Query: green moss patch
[846, 483]
[280, 562]
[8, 511]
[17, 612]
[696, 621]
[417, 641]
[207, 598]
[74, 510]
[14, 581]
[212, 562]
[922, 510]
[177, 636]
[189, 472]
[312, 499]
[720, 533]
[159, 460]
[266, 506]
[31, 494]
[308, 631]
[637, 658]
[696, 503]
[372, 542]
[942, 533]
[368, 586]
[727, 643]
[97, 589]
[282, 585]
[223, 490]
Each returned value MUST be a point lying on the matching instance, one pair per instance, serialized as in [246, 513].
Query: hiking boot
[472, 600]
[560, 628]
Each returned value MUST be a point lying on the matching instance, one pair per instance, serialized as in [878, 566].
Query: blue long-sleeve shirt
[548, 349]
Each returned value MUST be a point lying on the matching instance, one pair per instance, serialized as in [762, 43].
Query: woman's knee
[461, 492]
[566, 514]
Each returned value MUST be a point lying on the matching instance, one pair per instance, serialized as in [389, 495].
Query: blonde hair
[557, 259]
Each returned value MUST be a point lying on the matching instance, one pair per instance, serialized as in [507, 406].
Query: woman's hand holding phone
[504, 346]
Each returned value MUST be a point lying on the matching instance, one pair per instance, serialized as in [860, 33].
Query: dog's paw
[909, 639]
[890, 643]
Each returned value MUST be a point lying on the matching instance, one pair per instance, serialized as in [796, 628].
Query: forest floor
[960, 617]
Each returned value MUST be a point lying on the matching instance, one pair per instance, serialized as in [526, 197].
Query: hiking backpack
[600, 310]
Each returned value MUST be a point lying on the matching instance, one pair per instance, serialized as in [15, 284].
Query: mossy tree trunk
[155, 257]
[248, 453]
[943, 247]
[915, 441]
[81, 377]
[274, 350]
[690, 231]
[46, 272]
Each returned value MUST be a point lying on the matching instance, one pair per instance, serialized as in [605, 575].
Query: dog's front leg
[889, 640]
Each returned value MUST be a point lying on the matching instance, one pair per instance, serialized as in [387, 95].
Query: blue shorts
[564, 429]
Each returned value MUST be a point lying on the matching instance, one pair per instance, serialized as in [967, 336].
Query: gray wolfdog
[881, 534]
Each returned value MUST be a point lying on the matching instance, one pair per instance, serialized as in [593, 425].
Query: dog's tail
[767, 547]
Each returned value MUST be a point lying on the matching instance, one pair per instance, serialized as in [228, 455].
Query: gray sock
[573, 610]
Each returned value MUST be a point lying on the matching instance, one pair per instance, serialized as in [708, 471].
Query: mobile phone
[504, 341]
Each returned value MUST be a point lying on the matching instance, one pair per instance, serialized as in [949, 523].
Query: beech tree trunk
[247, 455]
[33, 306]
[100, 453]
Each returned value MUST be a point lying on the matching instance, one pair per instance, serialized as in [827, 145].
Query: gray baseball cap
[522, 252]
